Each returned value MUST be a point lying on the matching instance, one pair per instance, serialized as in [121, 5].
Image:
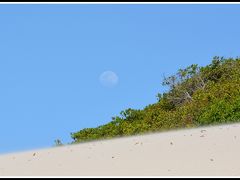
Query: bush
[197, 96]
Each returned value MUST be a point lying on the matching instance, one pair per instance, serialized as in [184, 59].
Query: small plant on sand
[58, 142]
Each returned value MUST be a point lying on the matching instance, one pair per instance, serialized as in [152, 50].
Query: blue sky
[51, 58]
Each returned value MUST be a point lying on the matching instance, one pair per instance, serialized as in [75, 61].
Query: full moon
[108, 78]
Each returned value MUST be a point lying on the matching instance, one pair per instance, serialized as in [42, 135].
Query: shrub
[197, 96]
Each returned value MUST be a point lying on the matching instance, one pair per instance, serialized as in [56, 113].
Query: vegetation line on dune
[197, 96]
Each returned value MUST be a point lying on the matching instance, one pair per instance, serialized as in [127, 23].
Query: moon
[108, 79]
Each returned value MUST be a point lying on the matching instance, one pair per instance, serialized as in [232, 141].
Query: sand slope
[203, 151]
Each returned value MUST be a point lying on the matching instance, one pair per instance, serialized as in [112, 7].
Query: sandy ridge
[205, 151]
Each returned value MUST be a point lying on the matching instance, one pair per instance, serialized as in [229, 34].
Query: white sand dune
[206, 151]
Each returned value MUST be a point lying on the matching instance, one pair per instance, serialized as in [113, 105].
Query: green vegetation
[197, 96]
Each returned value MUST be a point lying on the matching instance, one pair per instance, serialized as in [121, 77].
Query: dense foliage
[197, 96]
